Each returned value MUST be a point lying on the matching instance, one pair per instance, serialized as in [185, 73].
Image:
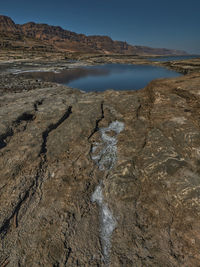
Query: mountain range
[44, 37]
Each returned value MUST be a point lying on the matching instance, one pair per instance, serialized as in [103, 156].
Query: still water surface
[109, 76]
[171, 58]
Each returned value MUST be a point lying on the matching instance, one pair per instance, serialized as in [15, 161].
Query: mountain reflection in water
[108, 76]
[66, 76]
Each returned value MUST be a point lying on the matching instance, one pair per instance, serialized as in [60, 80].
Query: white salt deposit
[107, 148]
[97, 196]
[104, 154]
[107, 222]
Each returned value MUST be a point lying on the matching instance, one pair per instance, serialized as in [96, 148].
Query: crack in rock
[52, 127]
[97, 122]
[38, 103]
[6, 224]
[43, 157]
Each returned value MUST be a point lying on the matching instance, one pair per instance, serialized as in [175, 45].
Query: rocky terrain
[100, 179]
[183, 66]
[43, 37]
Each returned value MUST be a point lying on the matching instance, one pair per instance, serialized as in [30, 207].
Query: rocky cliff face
[63, 40]
[101, 178]
[7, 24]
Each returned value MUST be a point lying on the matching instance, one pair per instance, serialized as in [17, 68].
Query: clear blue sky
[155, 23]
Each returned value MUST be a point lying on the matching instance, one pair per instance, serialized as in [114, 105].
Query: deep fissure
[97, 122]
[52, 127]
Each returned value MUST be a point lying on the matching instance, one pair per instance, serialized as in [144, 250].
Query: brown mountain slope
[7, 24]
[43, 36]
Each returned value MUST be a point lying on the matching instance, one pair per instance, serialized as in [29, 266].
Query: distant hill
[33, 36]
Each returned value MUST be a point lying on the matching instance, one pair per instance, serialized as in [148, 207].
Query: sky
[156, 23]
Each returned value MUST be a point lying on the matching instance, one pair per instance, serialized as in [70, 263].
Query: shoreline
[13, 80]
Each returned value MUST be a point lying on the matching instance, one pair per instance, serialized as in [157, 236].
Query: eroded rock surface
[48, 176]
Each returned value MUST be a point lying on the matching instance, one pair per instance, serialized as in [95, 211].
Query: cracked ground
[47, 176]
